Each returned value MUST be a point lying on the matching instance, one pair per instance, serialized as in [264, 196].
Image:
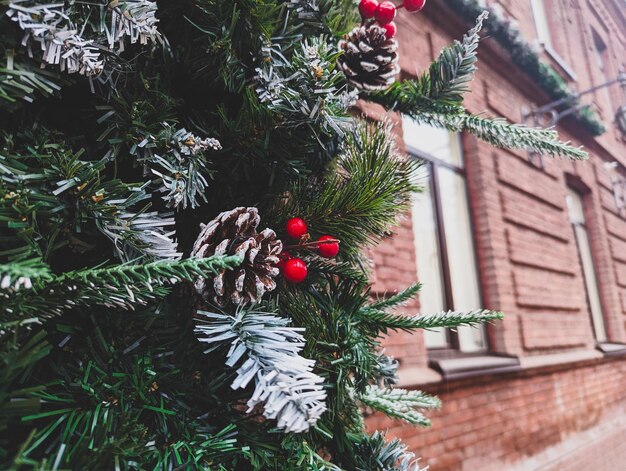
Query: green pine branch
[377, 453]
[435, 97]
[400, 404]
[450, 319]
[406, 97]
[19, 274]
[397, 299]
[115, 389]
[17, 360]
[523, 55]
[449, 75]
[500, 133]
[22, 83]
[361, 195]
[119, 286]
[328, 268]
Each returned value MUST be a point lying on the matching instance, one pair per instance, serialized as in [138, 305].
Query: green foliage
[16, 401]
[448, 319]
[360, 196]
[22, 82]
[334, 17]
[307, 91]
[120, 286]
[53, 199]
[126, 164]
[448, 77]
[400, 404]
[376, 453]
[406, 97]
[108, 396]
[397, 299]
[527, 60]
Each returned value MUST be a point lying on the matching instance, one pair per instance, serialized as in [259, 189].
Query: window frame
[582, 194]
[540, 15]
[434, 163]
[618, 183]
[601, 55]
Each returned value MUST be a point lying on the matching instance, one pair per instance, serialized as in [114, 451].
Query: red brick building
[542, 240]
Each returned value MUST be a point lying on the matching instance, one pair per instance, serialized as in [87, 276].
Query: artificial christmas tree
[132, 337]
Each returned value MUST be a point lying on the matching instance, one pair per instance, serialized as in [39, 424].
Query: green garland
[522, 54]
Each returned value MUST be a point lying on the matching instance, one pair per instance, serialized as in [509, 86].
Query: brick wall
[493, 423]
[528, 262]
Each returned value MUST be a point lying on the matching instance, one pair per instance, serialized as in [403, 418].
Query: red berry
[295, 270]
[296, 228]
[367, 8]
[283, 259]
[390, 30]
[414, 5]
[385, 13]
[328, 249]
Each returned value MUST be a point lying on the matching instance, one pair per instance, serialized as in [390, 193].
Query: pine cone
[234, 233]
[369, 61]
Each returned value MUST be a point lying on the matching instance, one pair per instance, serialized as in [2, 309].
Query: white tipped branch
[400, 404]
[177, 158]
[60, 41]
[270, 351]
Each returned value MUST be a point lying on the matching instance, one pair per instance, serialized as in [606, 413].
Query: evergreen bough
[157, 117]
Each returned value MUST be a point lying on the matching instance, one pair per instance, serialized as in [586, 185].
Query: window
[541, 22]
[541, 11]
[577, 218]
[619, 191]
[600, 53]
[446, 259]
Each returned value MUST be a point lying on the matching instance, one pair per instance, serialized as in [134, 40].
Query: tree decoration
[390, 29]
[414, 5]
[234, 232]
[296, 228]
[269, 352]
[385, 13]
[295, 270]
[369, 60]
[328, 246]
[367, 8]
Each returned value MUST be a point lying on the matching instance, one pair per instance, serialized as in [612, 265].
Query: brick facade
[566, 406]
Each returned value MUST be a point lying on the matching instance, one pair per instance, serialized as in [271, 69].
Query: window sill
[612, 349]
[455, 366]
[463, 366]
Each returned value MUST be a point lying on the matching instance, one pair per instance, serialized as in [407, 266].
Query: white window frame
[463, 339]
[542, 25]
[576, 210]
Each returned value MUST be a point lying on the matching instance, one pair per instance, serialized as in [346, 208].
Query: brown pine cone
[234, 233]
[369, 60]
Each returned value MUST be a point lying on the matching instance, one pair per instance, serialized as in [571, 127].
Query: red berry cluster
[294, 269]
[385, 12]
